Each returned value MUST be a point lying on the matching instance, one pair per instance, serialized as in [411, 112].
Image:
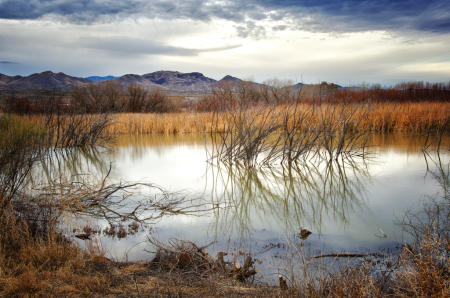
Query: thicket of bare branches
[22, 144]
[113, 96]
[265, 133]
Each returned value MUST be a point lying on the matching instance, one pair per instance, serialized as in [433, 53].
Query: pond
[349, 205]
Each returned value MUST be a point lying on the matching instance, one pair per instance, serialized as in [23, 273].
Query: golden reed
[142, 123]
[380, 117]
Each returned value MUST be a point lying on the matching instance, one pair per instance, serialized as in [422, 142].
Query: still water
[347, 204]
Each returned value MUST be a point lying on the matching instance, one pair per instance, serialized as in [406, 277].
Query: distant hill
[229, 78]
[96, 79]
[138, 80]
[168, 80]
[46, 80]
[177, 81]
[171, 81]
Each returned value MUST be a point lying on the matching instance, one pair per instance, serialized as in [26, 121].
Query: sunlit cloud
[338, 41]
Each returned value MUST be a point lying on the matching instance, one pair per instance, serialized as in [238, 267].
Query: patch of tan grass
[381, 117]
[138, 123]
[64, 270]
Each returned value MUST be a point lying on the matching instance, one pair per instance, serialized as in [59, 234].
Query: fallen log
[348, 255]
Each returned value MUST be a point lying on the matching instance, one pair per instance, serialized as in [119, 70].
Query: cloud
[329, 16]
[356, 15]
[121, 45]
[8, 62]
[310, 15]
[250, 29]
[279, 28]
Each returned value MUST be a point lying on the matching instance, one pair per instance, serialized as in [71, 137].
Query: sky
[346, 42]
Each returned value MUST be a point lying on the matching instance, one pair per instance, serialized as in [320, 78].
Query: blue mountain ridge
[97, 78]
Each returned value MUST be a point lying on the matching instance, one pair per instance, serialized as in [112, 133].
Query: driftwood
[237, 271]
[187, 256]
[349, 255]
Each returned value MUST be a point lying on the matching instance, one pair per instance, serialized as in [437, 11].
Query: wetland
[349, 205]
[250, 190]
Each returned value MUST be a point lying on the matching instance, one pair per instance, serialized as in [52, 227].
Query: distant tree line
[229, 93]
[113, 96]
[95, 97]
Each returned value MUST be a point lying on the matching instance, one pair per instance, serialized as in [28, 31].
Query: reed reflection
[439, 170]
[69, 165]
[138, 146]
[79, 180]
[290, 196]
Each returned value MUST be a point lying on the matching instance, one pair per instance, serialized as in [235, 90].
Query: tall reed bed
[406, 117]
[379, 117]
[141, 123]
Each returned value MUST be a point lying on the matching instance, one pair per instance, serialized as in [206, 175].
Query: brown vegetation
[382, 117]
[37, 259]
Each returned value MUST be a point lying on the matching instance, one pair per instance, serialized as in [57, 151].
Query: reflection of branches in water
[77, 181]
[62, 164]
[291, 195]
[441, 172]
[116, 201]
[433, 217]
[137, 147]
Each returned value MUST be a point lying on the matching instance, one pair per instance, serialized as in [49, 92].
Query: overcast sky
[345, 42]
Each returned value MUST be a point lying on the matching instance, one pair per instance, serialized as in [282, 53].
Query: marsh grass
[379, 117]
[37, 260]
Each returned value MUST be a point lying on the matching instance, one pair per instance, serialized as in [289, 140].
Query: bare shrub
[424, 268]
[79, 130]
[275, 90]
[158, 102]
[113, 93]
[264, 133]
[21, 145]
[137, 96]
[342, 132]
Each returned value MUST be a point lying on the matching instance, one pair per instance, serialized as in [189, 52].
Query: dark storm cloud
[313, 15]
[8, 62]
[361, 15]
[134, 46]
[77, 10]
[89, 11]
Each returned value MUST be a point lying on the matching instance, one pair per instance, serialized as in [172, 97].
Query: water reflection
[292, 196]
[69, 164]
[439, 170]
[79, 179]
[341, 201]
[433, 214]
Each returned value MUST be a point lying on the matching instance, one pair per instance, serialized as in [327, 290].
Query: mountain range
[46, 80]
[173, 81]
[96, 78]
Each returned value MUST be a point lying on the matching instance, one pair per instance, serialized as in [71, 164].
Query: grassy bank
[59, 268]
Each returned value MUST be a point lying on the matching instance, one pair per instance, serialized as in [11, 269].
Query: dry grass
[137, 123]
[381, 117]
[63, 270]
[425, 271]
